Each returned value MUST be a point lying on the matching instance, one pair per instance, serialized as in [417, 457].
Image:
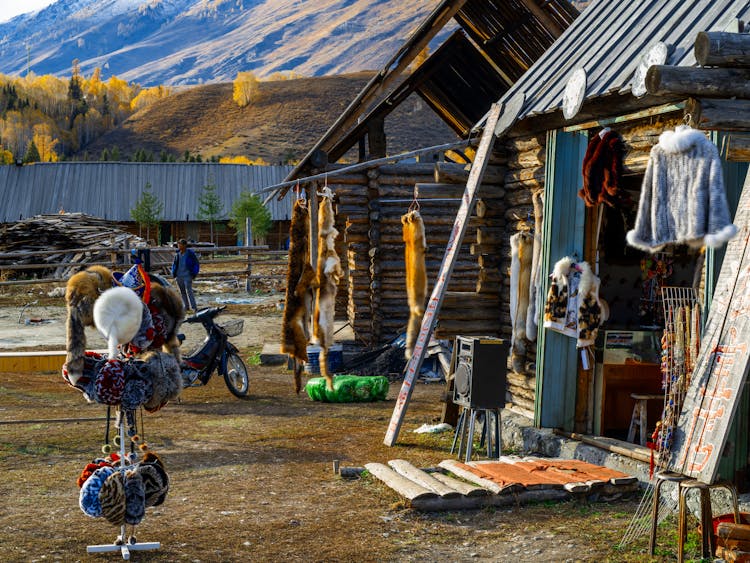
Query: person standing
[184, 269]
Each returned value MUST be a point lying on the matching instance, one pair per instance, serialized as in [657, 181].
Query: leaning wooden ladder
[446, 269]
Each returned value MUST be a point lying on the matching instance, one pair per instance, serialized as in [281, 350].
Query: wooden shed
[593, 76]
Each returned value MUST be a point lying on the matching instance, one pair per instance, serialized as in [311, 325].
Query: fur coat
[329, 275]
[683, 199]
[415, 245]
[582, 318]
[602, 171]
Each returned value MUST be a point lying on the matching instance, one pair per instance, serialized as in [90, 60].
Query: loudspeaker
[480, 372]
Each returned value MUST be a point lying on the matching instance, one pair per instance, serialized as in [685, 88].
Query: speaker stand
[465, 433]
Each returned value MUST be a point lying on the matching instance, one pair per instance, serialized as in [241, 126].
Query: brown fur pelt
[301, 280]
[602, 171]
[415, 247]
[82, 291]
[532, 314]
[329, 275]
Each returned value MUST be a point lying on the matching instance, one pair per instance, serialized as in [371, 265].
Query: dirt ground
[252, 480]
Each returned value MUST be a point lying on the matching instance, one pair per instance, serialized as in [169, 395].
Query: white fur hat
[117, 316]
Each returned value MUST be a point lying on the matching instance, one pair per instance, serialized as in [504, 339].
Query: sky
[12, 8]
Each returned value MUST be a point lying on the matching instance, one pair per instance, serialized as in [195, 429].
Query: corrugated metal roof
[111, 189]
[608, 40]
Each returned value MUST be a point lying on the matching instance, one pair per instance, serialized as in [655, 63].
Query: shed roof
[608, 40]
[111, 189]
[507, 35]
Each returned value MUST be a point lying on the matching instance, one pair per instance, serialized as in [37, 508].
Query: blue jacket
[191, 260]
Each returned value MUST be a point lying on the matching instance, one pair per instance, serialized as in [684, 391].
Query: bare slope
[287, 119]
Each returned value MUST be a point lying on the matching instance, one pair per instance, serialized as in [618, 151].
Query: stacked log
[525, 175]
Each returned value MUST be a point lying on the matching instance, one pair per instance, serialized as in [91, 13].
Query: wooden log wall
[525, 169]
[371, 205]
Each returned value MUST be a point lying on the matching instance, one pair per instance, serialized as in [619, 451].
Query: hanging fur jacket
[602, 171]
[683, 199]
[581, 317]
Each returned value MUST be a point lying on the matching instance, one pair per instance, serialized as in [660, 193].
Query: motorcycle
[216, 353]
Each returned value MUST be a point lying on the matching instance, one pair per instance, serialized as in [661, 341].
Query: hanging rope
[414, 205]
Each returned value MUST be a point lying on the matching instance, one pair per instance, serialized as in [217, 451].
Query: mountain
[190, 42]
[281, 125]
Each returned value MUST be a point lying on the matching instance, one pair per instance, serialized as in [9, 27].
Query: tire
[236, 376]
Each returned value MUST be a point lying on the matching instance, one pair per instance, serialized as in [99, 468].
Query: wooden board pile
[65, 241]
[510, 480]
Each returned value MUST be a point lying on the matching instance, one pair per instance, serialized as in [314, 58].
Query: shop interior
[643, 292]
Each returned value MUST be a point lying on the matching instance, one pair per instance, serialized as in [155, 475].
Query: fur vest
[602, 171]
[683, 200]
[573, 306]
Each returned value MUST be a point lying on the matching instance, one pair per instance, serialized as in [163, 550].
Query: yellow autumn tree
[148, 96]
[245, 89]
[45, 142]
[242, 160]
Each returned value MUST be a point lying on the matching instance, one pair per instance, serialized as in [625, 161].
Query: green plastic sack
[348, 389]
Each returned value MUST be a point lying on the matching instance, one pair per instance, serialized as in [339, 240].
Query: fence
[56, 266]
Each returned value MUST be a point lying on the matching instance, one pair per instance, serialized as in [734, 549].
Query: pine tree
[148, 211]
[210, 207]
[250, 205]
[32, 153]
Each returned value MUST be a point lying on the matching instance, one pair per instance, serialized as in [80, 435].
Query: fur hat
[117, 315]
[166, 379]
[135, 497]
[155, 482]
[110, 382]
[88, 471]
[112, 499]
[137, 390]
[88, 498]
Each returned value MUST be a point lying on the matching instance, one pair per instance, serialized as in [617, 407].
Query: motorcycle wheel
[236, 376]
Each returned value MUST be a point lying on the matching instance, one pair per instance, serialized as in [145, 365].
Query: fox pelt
[301, 281]
[329, 275]
[415, 246]
[81, 292]
[521, 245]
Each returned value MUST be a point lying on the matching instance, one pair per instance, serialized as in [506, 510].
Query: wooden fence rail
[241, 257]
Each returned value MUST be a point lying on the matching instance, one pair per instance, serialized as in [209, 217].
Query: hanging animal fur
[532, 315]
[415, 246]
[329, 275]
[521, 245]
[300, 283]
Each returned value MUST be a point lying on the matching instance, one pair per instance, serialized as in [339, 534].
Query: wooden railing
[239, 261]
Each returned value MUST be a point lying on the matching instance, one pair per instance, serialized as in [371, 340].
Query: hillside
[287, 119]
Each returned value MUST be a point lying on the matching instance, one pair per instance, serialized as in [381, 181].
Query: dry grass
[252, 480]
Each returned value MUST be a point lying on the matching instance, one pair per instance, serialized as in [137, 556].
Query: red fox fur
[415, 246]
[300, 283]
[329, 274]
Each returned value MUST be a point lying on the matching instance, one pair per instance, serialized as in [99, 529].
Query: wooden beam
[543, 17]
[718, 48]
[690, 81]
[738, 148]
[720, 115]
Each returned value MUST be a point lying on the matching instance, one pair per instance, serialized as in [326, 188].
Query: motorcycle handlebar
[205, 314]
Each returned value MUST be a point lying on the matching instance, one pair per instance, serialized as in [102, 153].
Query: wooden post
[113, 252]
[446, 269]
[719, 48]
[248, 243]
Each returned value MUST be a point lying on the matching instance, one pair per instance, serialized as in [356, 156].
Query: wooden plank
[403, 467]
[451, 253]
[721, 368]
[403, 486]
[462, 487]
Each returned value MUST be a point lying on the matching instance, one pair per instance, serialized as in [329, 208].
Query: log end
[653, 80]
[702, 47]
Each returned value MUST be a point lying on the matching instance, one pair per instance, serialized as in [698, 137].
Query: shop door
[563, 235]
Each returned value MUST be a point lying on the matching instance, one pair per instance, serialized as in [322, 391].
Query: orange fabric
[542, 472]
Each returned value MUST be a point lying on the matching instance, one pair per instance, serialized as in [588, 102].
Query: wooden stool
[639, 420]
[685, 485]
